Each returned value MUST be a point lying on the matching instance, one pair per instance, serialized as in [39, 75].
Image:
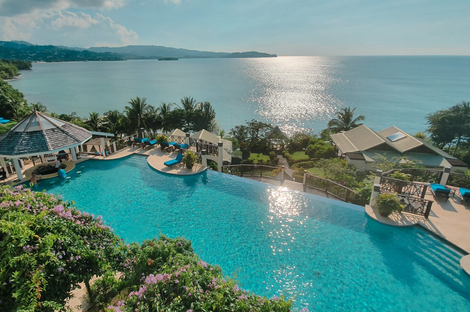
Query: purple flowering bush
[47, 248]
[166, 275]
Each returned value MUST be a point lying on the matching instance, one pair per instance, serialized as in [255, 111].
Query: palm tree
[345, 120]
[136, 114]
[94, 121]
[20, 111]
[204, 117]
[188, 105]
[114, 122]
[38, 107]
[164, 111]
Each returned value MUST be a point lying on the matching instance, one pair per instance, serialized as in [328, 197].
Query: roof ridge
[346, 137]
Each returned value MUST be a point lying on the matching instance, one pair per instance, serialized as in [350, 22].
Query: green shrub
[273, 160]
[388, 203]
[213, 165]
[189, 159]
[48, 247]
[321, 150]
[400, 176]
[168, 276]
[161, 138]
[303, 165]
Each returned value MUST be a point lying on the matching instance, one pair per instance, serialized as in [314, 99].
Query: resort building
[360, 146]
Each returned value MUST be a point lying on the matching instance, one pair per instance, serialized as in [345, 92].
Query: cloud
[10, 8]
[172, 1]
[66, 28]
[73, 20]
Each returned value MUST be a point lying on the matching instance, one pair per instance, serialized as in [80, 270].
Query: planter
[189, 166]
[384, 213]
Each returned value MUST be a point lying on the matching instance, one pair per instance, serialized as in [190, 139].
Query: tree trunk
[456, 146]
[88, 289]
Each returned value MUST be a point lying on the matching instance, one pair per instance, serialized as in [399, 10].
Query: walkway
[156, 159]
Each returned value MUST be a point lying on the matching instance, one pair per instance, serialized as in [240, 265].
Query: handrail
[255, 170]
[398, 186]
[333, 188]
[253, 165]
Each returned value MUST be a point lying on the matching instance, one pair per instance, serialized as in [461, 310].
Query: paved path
[287, 169]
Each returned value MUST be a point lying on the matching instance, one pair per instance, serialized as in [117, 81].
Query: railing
[211, 149]
[416, 205]
[419, 174]
[255, 171]
[177, 138]
[401, 187]
[331, 188]
[459, 180]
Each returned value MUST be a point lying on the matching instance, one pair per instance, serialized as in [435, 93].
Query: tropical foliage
[344, 120]
[48, 247]
[450, 126]
[189, 159]
[166, 275]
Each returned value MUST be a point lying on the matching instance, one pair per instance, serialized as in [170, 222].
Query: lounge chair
[440, 190]
[150, 143]
[164, 145]
[175, 161]
[181, 146]
[465, 193]
[137, 141]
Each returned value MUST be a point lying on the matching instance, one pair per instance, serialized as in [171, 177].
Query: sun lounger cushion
[439, 188]
[183, 146]
[464, 192]
[152, 142]
[175, 161]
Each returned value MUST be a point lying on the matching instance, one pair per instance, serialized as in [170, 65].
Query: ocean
[295, 93]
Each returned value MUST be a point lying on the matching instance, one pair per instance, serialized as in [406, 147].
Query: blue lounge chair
[175, 161]
[180, 147]
[465, 193]
[164, 145]
[440, 190]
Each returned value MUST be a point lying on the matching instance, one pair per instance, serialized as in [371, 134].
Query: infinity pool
[323, 254]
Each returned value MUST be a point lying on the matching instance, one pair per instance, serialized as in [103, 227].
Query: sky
[283, 27]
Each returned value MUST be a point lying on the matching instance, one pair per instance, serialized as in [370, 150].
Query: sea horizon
[293, 92]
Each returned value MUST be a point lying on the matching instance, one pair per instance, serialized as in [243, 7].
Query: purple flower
[60, 269]
[236, 288]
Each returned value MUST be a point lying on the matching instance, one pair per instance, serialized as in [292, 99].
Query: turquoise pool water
[324, 254]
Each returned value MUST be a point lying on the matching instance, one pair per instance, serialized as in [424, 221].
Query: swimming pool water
[325, 255]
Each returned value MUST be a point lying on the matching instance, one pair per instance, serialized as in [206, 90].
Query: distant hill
[21, 50]
[10, 50]
[152, 51]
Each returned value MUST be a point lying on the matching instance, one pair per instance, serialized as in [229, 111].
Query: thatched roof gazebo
[40, 134]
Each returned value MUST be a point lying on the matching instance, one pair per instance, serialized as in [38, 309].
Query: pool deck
[449, 219]
[156, 159]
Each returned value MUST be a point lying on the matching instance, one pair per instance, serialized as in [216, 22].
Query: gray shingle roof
[39, 134]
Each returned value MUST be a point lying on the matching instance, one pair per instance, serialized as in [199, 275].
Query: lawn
[316, 171]
[258, 157]
[299, 156]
